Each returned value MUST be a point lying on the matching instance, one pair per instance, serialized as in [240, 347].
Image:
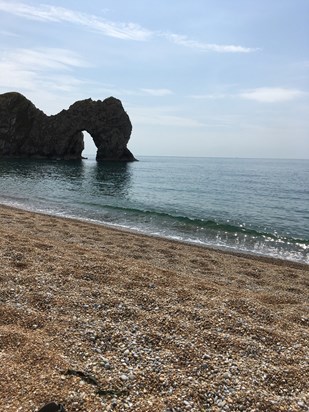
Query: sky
[211, 78]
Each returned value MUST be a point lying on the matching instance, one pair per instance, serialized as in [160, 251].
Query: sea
[256, 206]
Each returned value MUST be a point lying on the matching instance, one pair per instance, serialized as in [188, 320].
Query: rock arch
[26, 131]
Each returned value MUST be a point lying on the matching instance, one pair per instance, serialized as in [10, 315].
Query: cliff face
[26, 131]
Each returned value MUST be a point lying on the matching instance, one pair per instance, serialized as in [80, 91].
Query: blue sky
[197, 78]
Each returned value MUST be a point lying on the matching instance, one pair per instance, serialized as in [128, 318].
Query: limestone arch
[26, 131]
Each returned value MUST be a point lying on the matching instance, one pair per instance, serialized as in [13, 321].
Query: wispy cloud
[158, 92]
[114, 90]
[30, 69]
[162, 116]
[8, 33]
[47, 58]
[272, 94]
[207, 47]
[50, 13]
[120, 30]
[262, 95]
[211, 96]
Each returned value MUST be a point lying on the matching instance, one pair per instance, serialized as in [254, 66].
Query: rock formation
[26, 131]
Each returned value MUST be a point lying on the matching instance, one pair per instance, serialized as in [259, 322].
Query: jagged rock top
[25, 131]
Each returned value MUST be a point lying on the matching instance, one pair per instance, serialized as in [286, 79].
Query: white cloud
[47, 58]
[272, 94]
[207, 47]
[213, 96]
[60, 14]
[125, 31]
[158, 92]
[8, 33]
[161, 116]
[31, 69]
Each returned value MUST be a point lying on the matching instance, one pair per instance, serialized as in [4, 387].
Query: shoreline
[224, 250]
[99, 318]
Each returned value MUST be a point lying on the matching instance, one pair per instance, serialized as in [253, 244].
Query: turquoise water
[253, 205]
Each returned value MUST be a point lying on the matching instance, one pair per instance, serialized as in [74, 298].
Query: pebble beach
[100, 319]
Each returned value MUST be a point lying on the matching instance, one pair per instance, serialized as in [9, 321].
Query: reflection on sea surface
[93, 178]
[30, 168]
[109, 178]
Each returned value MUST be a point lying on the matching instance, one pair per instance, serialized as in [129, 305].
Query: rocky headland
[25, 131]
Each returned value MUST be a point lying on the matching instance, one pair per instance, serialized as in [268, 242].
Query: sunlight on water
[256, 206]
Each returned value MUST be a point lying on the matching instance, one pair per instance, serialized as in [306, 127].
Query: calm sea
[257, 206]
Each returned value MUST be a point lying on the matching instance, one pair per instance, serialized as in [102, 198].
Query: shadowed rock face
[26, 131]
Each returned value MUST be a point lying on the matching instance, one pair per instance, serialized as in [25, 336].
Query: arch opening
[90, 149]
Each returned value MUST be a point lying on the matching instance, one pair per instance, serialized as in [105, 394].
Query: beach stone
[124, 377]
[107, 366]
[25, 131]
[52, 407]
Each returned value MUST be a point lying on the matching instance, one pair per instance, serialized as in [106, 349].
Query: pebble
[191, 368]
[301, 404]
[124, 377]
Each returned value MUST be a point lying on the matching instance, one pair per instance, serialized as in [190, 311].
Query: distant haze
[197, 78]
